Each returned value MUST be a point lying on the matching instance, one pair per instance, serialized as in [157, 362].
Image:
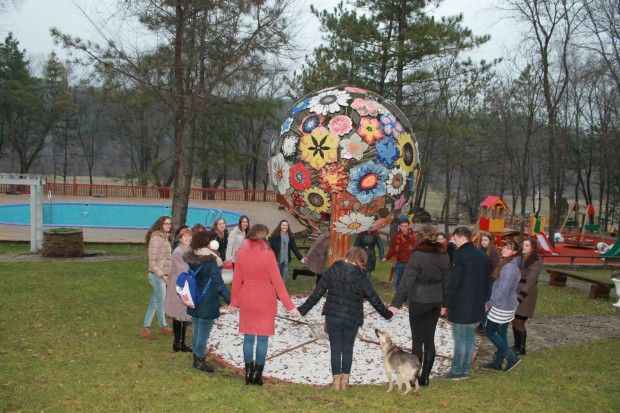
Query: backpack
[187, 289]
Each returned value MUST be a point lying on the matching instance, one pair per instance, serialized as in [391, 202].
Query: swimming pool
[129, 216]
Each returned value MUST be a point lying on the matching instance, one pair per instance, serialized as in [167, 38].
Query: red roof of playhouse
[494, 202]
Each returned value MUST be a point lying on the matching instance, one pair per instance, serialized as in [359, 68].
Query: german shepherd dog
[396, 360]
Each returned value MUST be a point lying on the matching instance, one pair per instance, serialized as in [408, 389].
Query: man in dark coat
[471, 272]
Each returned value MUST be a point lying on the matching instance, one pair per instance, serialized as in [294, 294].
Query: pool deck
[266, 213]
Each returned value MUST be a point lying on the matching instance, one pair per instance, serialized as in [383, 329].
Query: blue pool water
[109, 215]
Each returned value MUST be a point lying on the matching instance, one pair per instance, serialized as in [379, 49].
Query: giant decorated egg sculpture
[347, 152]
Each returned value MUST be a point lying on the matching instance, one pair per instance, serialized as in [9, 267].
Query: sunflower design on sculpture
[316, 200]
[370, 130]
[319, 148]
[407, 151]
[354, 223]
[329, 102]
[367, 181]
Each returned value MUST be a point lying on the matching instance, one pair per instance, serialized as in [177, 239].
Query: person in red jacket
[402, 245]
[256, 288]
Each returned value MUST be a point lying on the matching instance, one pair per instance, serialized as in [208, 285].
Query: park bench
[598, 289]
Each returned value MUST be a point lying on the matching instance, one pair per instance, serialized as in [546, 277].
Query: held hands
[303, 260]
[392, 309]
[295, 312]
[232, 309]
[384, 260]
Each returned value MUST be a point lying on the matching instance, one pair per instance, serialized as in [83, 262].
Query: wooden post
[338, 243]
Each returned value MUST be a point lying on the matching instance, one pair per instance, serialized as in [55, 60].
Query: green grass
[70, 343]
[12, 248]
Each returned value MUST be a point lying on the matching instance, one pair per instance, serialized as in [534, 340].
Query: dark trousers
[423, 321]
[341, 339]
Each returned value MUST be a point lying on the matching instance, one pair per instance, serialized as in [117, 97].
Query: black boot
[184, 347]
[257, 374]
[202, 365]
[176, 328]
[249, 370]
[427, 366]
[295, 270]
[520, 339]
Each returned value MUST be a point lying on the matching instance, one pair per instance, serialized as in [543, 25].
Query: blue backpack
[187, 289]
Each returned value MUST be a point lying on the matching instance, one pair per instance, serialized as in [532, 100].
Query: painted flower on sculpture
[370, 130]
[381, 109]
[407, 153]
[300, 177]
[353, 147]
[299, 106]
[373, 206]
[340, 125]
[364, 107]
[396, 182]
[391, 127]
[367, 181]
[354, 89]
[289, 145]
[310, 123]
[400, 202]
[319, 148]
[354, 223]
[333, 178]
[346, 202]
[298, 200]
[316, 200]
[286, 125]
[279, 172]
[387, 152]
[329, 102]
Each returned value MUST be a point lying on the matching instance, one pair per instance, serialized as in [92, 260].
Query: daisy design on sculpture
[364, 107]
[333, 178]
[354, 223]
[396, 182]
[310, 123]
[300, 177]
[391, 126]
[340, 125]
[286, 126]
[370, 130]
[353, 148]
[329, 102]
[316, 200]
[387, 152]
[289, 146]
[299, 106]
[279, 173]
[407, 153]
[319, 148]
[367, 181]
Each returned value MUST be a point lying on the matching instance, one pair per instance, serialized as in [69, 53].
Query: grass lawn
[70, 343]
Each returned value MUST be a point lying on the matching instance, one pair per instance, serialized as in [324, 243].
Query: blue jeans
[464, 345]
[399, 269]
[157, 302]
[498, 334]
[283, 267]
[341, 339]
[202, 330]
[261, 348]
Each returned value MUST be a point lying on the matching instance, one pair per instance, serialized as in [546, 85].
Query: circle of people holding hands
[476, 288]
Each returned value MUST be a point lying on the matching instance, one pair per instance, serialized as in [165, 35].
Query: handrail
[577, 257]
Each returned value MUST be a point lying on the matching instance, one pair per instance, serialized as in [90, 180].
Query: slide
[545, 246]
[614, 251]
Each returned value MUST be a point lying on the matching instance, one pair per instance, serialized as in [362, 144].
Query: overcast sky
[31, 20]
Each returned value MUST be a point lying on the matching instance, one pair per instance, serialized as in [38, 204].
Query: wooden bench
[598, 289]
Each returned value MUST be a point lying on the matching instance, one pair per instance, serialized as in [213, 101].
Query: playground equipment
[492, 218]
[536, 229]
[577, 220]
[614, 251]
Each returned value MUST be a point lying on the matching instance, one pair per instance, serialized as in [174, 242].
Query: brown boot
[166, 331]
[344, 382]
[336, 383]
[146, 333]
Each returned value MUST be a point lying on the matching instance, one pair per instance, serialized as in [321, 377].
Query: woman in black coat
[426, 285]
[347, 285]
[282, 242]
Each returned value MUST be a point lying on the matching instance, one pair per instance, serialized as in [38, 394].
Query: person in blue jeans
[282, 242]
[502, 307]
[200, 256]
[347, 285]
[470, 275]
[402, 246]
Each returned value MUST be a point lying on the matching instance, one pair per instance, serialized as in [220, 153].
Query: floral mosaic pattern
[349, 143]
